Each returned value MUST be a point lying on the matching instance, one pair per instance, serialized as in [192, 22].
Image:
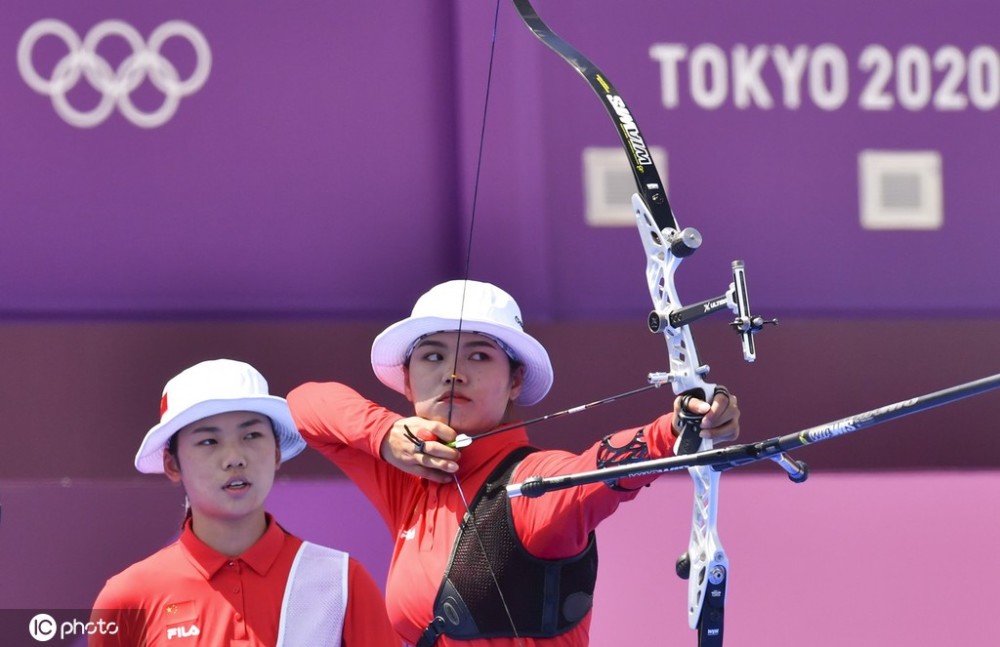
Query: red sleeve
[334, 418]
[558, 525]
[366, 622]
[123, 623]
[348, 430]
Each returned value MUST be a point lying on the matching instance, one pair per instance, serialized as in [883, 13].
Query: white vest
[315, 602]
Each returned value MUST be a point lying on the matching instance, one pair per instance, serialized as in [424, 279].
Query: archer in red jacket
[471, 567]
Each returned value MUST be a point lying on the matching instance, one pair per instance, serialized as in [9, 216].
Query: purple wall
[327, 163]
[310, 140]
[850, 559]
[776, 187]
[860, 560]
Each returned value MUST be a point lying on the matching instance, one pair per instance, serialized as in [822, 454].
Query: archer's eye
[206, 442]
[432, 356]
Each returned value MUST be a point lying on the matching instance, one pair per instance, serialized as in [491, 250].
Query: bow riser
[709, 567]
[686, 373]
[705, 554]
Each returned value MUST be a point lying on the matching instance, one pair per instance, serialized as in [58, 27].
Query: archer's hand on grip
[696, 419]
[688, 424]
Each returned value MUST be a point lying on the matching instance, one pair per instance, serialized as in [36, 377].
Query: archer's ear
[406, 383]
[171, 467]
[516, 381]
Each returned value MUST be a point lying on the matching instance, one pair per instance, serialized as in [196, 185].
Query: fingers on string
[418, 444]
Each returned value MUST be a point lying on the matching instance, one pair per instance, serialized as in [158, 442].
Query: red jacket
[424, 517]
[190, 595]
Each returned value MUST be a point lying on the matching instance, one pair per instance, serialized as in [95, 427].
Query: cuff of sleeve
[379, 437]
[660, 438]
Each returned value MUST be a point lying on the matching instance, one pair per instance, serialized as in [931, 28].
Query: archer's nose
[235, 461]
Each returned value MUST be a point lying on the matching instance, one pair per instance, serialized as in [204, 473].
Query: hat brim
[390, 347]
[149, 458]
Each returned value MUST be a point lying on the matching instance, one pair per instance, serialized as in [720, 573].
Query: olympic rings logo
[115, 85]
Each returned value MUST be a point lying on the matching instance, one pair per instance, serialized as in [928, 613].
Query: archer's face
[226, 463]
[473, 400]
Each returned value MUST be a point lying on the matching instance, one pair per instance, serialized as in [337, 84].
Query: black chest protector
[545, 597]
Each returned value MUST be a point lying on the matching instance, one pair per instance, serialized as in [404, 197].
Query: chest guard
[545, 597]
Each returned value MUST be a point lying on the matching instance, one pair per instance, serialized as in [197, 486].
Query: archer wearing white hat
[523, 573]
[235, 576]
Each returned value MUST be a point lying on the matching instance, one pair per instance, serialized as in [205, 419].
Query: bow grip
[688, 425]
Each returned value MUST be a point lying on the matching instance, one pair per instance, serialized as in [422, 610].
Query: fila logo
[183, 632]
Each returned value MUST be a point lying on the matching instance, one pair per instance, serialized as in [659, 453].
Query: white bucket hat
[486, 309]
[210, 388]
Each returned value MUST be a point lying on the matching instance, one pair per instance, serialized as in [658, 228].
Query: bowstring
[461, 315]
